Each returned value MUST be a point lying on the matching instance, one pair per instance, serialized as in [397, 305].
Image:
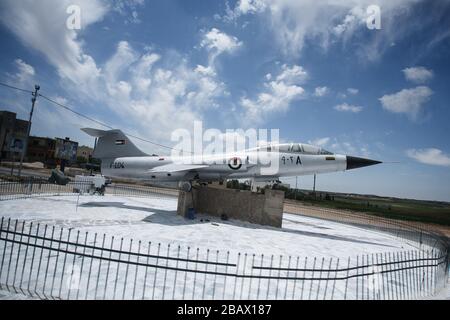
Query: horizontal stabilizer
[113, 144]
[177, 167]
[95, 132]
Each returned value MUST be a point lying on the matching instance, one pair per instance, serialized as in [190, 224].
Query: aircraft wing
[172, 167]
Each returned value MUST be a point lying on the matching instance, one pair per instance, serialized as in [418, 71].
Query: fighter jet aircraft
[122, 159]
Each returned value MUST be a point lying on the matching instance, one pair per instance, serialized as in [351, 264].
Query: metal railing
[55, 263]
[37, 187]
[50, 262]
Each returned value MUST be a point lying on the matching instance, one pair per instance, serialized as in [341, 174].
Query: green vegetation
[394, 208]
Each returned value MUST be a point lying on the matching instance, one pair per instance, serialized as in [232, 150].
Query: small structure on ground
[264, 209]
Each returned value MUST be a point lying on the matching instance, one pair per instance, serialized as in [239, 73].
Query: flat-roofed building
[12, 135]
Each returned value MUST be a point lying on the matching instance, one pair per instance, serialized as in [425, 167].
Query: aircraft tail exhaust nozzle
[355, 162]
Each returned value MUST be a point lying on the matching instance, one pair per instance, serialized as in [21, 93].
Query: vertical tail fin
[113, 144]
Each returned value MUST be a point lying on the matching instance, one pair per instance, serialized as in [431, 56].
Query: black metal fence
[50, 262]
[417, 234]
[56, 263]
[37, 187]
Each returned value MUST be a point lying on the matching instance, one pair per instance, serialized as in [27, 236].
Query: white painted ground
[155, 219]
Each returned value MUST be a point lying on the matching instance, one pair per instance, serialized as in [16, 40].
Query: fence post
[346, 280]
[320, 279]
[5, 242]
[18, 256]
[176, 273]
[11, 255]
[32, 258]
[137, 269]
[328, 278]
[90, 268]
[215, 273]
[146, 270]
[295, 281]
[409, 265]
[287, 276]
[357, 277]
[48, 260]
[100, 265]
[107, 268]
[312, 277]
[414, 274]
[40, 259]
[26, 254]
[427, 273]
[185, 273]
[304, 276]
[260, 273]
[278, 277]
[195, 275]
[204, 279]
[73, 265]
[404, 268]
[126, 269]
[365, 274]
[225, 279]
[156, 271]
[243, 275]
[268, 280]
[82, 263]
[250, 284]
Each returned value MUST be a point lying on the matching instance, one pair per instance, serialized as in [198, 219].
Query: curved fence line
[56, 263]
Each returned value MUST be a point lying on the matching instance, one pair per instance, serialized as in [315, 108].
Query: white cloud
[277, 95]
[352, 91]
[218, 42]
[321, 91]
[345, 107]
[209, 71]
[175, 95]
[45, 31]
[24, 74]
[321, 142]
[430, 156]
[418, 74]
[158, 93]
[407, 101]
[128, 9]
[244, 7]
[292, 75]
[294, 22]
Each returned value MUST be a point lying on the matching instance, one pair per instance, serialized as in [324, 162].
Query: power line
[103, 124]
[75, 112]
[86, 117]
[15, 88]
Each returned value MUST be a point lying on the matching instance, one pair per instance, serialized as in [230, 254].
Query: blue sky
[310, 68]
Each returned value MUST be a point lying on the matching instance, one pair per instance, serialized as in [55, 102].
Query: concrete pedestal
[264, 209]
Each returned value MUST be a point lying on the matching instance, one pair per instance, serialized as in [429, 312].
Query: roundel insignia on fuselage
[235, 163]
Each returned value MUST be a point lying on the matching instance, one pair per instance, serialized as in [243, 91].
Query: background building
[84, 153]
[12, 135]
[41, 149]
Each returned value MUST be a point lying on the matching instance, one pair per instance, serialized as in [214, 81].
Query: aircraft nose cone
[355, 162]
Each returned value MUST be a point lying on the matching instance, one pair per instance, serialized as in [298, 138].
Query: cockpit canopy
[294, 148]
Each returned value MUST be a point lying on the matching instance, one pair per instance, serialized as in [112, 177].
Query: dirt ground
[355, 217]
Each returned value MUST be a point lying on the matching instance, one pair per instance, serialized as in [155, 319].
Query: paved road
[25, 172]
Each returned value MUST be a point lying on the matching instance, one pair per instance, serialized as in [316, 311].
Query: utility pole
[314, 187]
[25, 145]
